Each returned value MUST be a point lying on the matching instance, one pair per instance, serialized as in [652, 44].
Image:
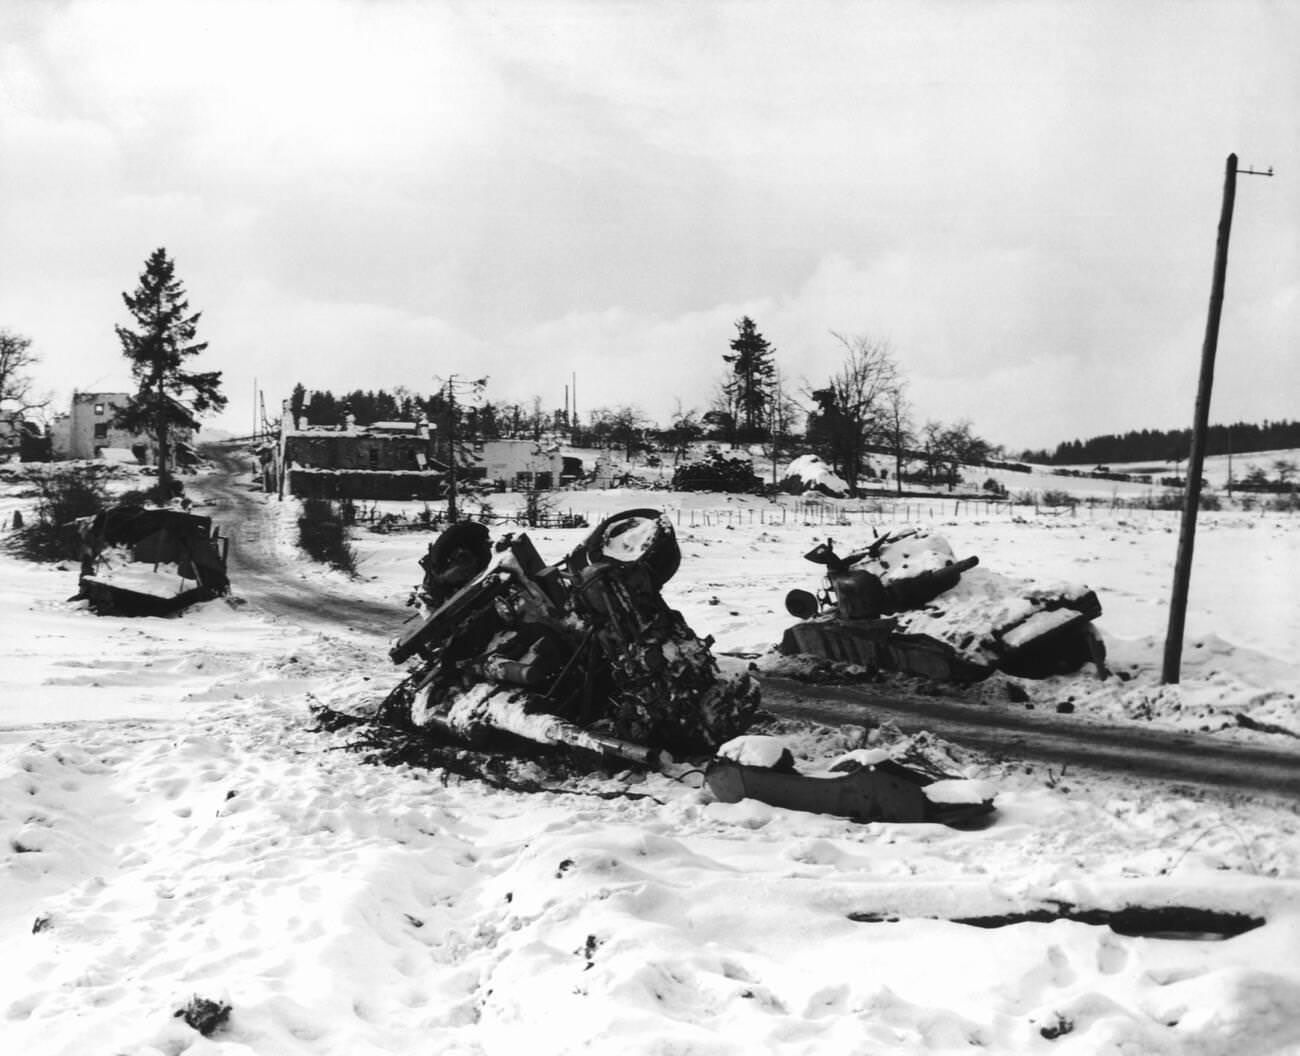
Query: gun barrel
[480, 592]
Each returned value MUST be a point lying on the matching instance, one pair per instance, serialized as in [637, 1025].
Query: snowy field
[174, 829]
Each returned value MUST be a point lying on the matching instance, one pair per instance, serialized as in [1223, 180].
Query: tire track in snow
[1162, 755]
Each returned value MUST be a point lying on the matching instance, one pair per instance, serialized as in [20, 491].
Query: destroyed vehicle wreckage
[586, 654]
[905, 603]
[865, 784]
[144, 561]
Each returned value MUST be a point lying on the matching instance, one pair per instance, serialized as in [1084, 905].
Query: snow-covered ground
[1024, 486]
[174, 829]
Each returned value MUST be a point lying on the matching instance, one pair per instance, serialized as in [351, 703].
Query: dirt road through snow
[259, 576]
[1163, 755]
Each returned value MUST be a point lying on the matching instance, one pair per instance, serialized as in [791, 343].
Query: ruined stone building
[385, 460]
[381, 446]
[397, 460]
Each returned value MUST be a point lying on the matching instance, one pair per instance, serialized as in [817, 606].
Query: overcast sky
[1021, 198]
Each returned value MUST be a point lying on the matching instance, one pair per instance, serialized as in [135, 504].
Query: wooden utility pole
[451, 449]
[1200, 425]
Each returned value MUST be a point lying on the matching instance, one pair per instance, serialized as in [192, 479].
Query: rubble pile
[584, 652]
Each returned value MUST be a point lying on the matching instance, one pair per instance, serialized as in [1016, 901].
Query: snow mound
[810, 473]
[859, 758]
[757, 750]
[959, 790]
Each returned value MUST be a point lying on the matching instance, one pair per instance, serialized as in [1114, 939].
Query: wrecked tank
[906, 603]
[144, 561]
[584, 652]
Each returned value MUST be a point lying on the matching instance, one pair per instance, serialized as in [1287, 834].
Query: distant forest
[1156, 445]
[324, 408]
[487, 420]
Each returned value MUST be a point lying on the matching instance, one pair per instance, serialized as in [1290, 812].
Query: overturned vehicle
[906, 603]
[585, 654]
[140, 561]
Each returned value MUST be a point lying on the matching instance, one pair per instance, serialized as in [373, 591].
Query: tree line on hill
[1156, 445]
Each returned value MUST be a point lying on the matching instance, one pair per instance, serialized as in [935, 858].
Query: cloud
[1021, 198]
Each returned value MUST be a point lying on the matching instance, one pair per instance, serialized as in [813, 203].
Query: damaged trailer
[906, 603]
[585, 654]
[143, 561]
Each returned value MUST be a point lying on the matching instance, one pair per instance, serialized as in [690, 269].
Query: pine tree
[751, 384]
[297, 402]
[168, 396]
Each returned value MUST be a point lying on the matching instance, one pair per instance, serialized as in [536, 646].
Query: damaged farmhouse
[90, 430]
[396, 460]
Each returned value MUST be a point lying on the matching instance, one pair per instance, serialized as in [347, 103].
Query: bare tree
[932, 448]
[537, 420]
[899, 430]
[854, 406]
[947, 447]
[723, 414]
[685, 427]
[624, 426]
[16, 363]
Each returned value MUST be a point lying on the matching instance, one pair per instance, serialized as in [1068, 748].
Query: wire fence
[846, 514]
[818, 512]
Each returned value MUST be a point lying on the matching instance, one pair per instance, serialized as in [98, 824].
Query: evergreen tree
[297, 400]
[325, 408]
[751, 383]
[168, 396]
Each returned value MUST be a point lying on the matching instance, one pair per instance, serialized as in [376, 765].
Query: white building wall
[504, 460]
[90, 424]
